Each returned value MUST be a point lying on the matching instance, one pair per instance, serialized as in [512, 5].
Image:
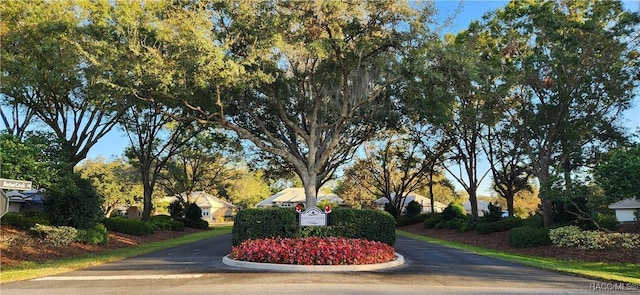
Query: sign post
[4, 203]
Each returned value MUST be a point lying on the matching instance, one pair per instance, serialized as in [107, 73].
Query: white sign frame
[16, 185]
[313, 217]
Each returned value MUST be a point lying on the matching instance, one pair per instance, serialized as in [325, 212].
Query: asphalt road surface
[197, 269]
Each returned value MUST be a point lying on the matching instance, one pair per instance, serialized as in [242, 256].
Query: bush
[72, 201]
[573, 236]
[494, 214]
[432, 220]
[533, 221]
[23, 222]
[95, 236]
[176, 210]
[608, 221]
[129, 226]
[413, 209]
[406, 220]
[263, 223]
[197, 224]
[56, 236]
[525, 237]
[193, 212]
[453, 211]
[505, 224]
[461, 224]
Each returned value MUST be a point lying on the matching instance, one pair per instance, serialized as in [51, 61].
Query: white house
[424, 201]
[625, 209]
[290, 197]
[213, 208]
[483, 206]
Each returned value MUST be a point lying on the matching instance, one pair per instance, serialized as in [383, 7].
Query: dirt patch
[18, 245]
[498, 241]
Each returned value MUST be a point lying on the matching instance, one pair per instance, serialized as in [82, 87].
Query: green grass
[620, 272]
[29, 270]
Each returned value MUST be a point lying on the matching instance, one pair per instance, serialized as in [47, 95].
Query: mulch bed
[18, 245]
[498, 241]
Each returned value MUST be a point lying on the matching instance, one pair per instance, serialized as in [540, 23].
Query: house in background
[290, 197]
[213, 208]
[422, 200]
[483, 206]
[625, 209]
[31, 200]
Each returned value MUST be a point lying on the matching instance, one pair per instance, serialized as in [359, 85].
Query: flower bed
[313, 251]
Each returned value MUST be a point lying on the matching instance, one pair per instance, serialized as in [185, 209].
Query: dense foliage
[313, 251]
[573, 236]
[129, 226]
[72, 201]
[349, 223]
[525, 237]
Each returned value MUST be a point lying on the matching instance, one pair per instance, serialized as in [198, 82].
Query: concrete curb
[312, 268]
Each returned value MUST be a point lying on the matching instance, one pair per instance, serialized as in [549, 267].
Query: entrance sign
[313, 217]
[12, 184]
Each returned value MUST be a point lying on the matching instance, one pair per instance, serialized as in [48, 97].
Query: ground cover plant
[313, 251]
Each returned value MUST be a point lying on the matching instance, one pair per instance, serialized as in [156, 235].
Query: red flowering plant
[313, 251]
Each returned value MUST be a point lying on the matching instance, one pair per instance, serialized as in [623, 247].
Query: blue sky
[114, 143]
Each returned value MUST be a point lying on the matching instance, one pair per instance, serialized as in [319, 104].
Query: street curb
[312, 268]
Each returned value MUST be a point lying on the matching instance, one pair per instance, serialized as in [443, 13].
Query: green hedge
[350, 223]
[129, 226]
[505, 224]
[22, 221]
[409, 220]
[525, 237]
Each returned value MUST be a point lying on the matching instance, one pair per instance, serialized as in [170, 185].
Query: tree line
[535, 88]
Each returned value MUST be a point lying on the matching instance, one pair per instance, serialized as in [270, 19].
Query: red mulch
[498, 241]
[18, 245]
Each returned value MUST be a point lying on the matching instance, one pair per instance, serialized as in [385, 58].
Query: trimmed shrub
[263, 223]
[494, 214]
[453, 211]
[56, 236]
[129, 226]
[526, 237]
[533, 221]
[22, 221]
[413, 209]
[461, 224]
[432, 220]
[72, 201]
[176, 210]
[197, 224]
[608, 221]
[505, 224]
[95, 236]
[406, 220]
[573, 236]
[193, 212]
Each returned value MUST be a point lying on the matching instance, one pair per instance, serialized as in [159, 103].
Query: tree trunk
[146, 212]
[547, 207]
[310, 189]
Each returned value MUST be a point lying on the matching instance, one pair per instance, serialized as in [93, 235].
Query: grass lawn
[620, 272]
[33, 270]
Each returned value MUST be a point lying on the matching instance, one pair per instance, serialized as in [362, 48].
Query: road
[197, 269]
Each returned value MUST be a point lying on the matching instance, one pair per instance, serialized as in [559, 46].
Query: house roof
[626, 204]
[482, 205]
[424, 201]
[296, 195]
[206, 200]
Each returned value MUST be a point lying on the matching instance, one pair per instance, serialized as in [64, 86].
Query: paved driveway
[197, 269]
